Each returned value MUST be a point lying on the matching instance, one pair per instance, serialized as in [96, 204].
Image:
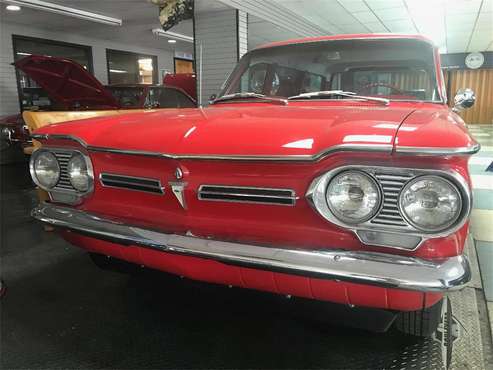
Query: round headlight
[430, 203]
[78, 173]
[353, 197]
[45, 169]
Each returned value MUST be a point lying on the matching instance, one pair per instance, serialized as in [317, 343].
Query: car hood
[233, 129]
[67, 82]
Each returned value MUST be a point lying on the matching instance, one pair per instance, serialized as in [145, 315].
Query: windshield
[401, 69]
[128, 96]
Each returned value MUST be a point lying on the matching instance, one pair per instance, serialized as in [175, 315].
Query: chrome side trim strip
[247, 194]
[416, 150]
[380, 269]
[381, 148]
[133, 183]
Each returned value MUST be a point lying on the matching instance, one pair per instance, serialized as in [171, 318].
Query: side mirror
[464, 99]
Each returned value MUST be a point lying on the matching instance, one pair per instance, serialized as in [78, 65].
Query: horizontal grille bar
[244, 194]
[131, 183]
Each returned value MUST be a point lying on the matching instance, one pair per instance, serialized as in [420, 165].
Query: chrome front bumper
[380, 269]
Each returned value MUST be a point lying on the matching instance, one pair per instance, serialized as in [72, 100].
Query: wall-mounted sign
[467, 60]
[474, 60]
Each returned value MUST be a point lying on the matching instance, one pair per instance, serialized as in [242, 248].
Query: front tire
[108, 263]
[422, 323]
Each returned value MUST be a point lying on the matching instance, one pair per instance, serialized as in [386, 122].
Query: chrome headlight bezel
[436, 178]
[371, 214]
[405, 236]
[88, 173]
[60, 192]
[33, 170]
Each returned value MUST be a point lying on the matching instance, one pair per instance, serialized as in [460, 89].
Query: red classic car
[72, 88]
[185, 81]
[328, 168]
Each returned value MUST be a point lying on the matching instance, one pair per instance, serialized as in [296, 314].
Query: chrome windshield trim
[370, 268]
[381, 148]
[422, 150]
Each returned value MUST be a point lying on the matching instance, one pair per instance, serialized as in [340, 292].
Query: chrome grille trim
[391, 186]
[247, 194]
[63, 191]
[63, 156]
[144, 184]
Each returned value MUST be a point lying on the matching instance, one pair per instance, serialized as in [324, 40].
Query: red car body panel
[267, 129]
[185, 81]
[264, 128]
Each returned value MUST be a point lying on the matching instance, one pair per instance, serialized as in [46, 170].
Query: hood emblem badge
[178, 188]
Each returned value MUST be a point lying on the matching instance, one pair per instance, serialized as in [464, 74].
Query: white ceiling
[139, 18]
[454, 25]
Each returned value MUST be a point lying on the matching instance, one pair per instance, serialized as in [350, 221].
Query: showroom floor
[481, 168]
[61, 311]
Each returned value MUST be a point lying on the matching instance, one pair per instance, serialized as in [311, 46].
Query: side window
[159, 97]
[168, 98]
[184, 101]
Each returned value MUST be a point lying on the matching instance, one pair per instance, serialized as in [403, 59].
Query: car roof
[358, 36]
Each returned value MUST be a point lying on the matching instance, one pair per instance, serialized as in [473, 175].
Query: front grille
[391, 186]
[244, 194]
[64, 183]
[131, 183]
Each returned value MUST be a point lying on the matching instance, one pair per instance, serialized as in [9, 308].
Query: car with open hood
[328, 168]
[74, 93]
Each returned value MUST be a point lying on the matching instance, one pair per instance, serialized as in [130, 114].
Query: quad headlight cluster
[392, 207]
[62, 171]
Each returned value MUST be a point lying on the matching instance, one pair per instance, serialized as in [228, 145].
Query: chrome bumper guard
[379, 269]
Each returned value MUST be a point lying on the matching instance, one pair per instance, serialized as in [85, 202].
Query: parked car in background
[185, 81]
[328, 168]
[71, 88]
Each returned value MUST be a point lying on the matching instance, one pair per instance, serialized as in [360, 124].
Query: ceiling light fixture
[171, 41]
[13, 8]
[172, 35]
[65, 10]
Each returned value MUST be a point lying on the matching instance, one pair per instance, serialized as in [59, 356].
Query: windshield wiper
[248, 95]
[348, 94]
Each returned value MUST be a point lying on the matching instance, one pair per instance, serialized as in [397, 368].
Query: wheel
[114, 264]
[447, 332]
[436, 322]
[422, 323]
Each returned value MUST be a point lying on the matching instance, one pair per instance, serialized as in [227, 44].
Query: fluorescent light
[172, 35]
[118, 71]
[21, 53]
[13, 8]
[65, 10]
[171, 41]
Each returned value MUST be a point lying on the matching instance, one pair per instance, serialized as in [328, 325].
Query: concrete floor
[60, 311]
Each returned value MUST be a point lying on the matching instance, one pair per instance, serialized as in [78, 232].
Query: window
[31, 96]
[127, 96]
[400, 69]
[131, 68]
[163, 97]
